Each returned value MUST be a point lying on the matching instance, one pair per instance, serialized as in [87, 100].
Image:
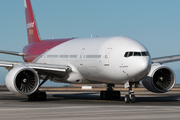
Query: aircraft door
[82, 56]
[107, 56]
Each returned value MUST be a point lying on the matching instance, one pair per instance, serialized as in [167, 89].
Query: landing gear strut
[130, 97]
[39, 95]
[110, 93]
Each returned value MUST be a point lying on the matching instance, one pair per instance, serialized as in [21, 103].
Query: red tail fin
[32, 31]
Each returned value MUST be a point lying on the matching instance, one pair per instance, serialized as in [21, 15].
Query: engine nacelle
[22, 80]
[160, 79]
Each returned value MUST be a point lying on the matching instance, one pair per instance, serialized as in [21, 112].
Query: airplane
[110, 60]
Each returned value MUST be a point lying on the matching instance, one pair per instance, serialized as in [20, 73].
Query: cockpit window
[126, 54]
[129, 54]
[145, 53]
[137, 54]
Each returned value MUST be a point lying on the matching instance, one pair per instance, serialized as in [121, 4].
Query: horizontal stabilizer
[12, 53]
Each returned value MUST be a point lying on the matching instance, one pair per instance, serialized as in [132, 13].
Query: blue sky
[154, 23]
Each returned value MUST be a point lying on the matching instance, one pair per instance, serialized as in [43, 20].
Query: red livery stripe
[33, 50]
[35, 46]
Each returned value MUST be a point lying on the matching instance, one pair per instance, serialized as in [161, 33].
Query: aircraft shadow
[139, 99]
[94, 97]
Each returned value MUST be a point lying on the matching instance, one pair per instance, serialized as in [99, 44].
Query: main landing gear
[110, 93]
[39, 95]
[130, 97]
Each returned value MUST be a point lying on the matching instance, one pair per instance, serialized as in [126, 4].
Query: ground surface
[88, 106]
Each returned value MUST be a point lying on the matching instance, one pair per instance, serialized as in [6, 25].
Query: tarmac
[85, 105]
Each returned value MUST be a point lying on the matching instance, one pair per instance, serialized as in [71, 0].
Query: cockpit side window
[145, 53]
[126, 54]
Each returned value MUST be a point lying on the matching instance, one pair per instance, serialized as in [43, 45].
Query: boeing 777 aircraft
[109, 60]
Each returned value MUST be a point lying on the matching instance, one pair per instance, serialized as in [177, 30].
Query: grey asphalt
[88, 106]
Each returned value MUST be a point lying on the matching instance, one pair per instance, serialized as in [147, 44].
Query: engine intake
[22, 80]
[160, 79]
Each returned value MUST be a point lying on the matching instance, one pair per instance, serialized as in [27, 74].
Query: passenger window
[137, 54]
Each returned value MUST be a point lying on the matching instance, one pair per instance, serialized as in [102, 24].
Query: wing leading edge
[51, 69]
[166, 59]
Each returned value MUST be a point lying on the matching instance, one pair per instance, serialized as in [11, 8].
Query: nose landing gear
[130, 97]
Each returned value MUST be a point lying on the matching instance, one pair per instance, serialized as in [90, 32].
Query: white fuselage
[99, 60]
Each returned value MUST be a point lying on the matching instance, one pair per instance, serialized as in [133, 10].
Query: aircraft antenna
[91, 35]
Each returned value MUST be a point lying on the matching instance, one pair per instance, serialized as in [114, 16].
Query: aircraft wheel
[37, 96]
[133, 99]
[44, 96]
[32, 97]
[117, 94]
[103, 95]
[127, 99]
[41, 96]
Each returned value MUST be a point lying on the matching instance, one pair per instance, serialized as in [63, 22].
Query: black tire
[37, 96]
[127, 99]
[103, 95]
[133, 99]
[108, 95]
[117, 94]
[32, 97]
[44, 96]
[41, 96]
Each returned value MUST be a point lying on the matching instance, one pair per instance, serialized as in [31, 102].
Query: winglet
[32, 30]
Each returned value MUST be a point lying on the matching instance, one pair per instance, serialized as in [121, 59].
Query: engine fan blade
[162, 79]
[25, 81]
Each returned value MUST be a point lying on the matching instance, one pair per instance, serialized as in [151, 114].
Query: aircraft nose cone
[143, 66]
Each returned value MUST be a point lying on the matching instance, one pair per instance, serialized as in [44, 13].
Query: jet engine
[22, 80]
[160, 79]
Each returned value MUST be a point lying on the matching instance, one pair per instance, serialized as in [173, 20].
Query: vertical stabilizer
[32, 30]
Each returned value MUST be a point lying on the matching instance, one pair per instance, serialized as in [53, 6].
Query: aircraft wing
[166, 59]
[47, 69]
